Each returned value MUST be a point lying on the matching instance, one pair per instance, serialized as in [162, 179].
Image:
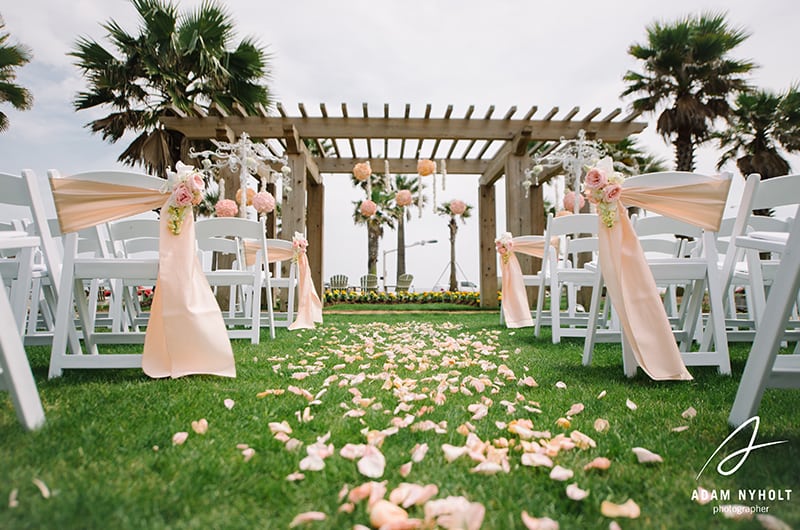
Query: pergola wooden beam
[455, 166]
[294, 146]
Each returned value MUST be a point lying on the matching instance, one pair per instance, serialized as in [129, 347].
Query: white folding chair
[700, 271]
[247, 322]
[765, 368]
[561, 270]
[287, 283]
[15, 371]
[80, 268]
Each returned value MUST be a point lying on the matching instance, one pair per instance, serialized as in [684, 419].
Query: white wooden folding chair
[578, 233]
[15, 371]
[287, 283]
[77, 269]
[700, 271]
[765, 368]
[247, 322]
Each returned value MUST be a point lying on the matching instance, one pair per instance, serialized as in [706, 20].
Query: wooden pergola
[486, 145]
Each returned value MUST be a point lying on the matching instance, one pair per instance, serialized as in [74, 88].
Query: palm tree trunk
[401, 245]
[684, 152]
[373, 235]
[453, 230]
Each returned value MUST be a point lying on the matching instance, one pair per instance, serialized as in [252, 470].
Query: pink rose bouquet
[504, 245]
[362, 171]
[569, 201]
[403, 198]
[263, 202]
[426, 167]
[226, 208]
[603, 187]
[368, 208]
[457, 207]
[186, 185]
[299, 245]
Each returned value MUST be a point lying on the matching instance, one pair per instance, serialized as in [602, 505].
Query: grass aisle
[370, 373]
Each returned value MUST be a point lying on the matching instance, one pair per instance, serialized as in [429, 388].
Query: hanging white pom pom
[443, 163]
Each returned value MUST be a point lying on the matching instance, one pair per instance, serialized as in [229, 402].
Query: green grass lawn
[97, 451]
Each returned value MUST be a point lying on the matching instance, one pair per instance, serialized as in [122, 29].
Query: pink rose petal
[419, 452]
[454, 513]
[680, 428]
[536, 460]
[12, 498]
[561, 385]
[43, 489]
[646, 456]
[296, 476]
[600, 462]
[689, 413]
[405, 469]
[601, 425]
[229, 403]
[631, 405]
[561, 473]
[575, 493]
[629, 509]
[384, 512]
[248, 453]
[541, 523]
[179, 437]
[452, 452]
[575, 409]
[372, 464]
[200, 426]
[307, 517]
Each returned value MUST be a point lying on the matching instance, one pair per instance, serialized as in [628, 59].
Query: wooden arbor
[470, 145]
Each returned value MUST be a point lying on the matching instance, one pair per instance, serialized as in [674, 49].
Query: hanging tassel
[443, 162]
[386, 169]
[419, 195]
[433, 206]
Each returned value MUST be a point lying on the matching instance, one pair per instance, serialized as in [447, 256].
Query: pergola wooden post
[487, 146]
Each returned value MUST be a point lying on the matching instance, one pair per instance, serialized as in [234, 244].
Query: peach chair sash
[628, 278]
[516, 309]
[186, 333]
[309, 306]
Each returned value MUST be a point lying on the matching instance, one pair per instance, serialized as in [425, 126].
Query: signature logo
[743, 452]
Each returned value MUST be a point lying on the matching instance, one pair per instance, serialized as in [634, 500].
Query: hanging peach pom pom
[263, 202]
[403, 198]
[250, 194]
[368, 208]
[362, 171]
[226, 208]
[457, 207]
[569, 201]
[426, 167]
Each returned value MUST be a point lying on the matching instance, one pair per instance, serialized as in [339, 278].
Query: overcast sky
[442, 52]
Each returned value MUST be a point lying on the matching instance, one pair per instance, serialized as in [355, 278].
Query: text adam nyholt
[749, 495]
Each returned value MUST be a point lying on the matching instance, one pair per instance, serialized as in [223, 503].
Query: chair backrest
[134, 236]
[123, 178]
[209, 231]
[659, 234]
[339, 281]
[578, 226]
[404, 282]
[369, 282]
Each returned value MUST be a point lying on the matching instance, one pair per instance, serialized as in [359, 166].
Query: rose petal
[451, 452]
[575, 409]
[601, 395]
[312, 463]
[294, 477]
[689, 413]
[307, 517]
[630, 509]
[12, 498]
[372, 463]
[601, 425]
[352, 451]
[384, 512]
[528, 381]
[487, 468]
[561, 473]
[536, 460]
[229, 403]
[347, 507]
[631, 405]
[248, 453]
[600, 462]
[200, 426]
[541, 523]
[646, 456]
[43, 489]
[680, 428]
[405, 469]
[561, 384]
[283, 427]
[179, 437]
[419, 452]
[575, 493]
[454, 513]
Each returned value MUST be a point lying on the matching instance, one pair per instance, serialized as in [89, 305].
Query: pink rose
[263, 202]
[612, 192]
[569, 201]
[403, 198]
[362, 171]
[426, 167]
[182, 195]
[501, 248]
[590, 196]
[368, 208]
[457, 207]
[226, 208]
[596, 178]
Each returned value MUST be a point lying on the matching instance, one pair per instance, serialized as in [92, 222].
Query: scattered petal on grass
[528, 381]
[229, 403]
[689, 413]
[680, 428]
[200, 426]
[307, 517]
[451, 452]
[372, 463]
[601, 395]
[701, 495]
[575, 493]
[405, 469]
[407, 495]
[43, 489]
[293, 444]
[536, 460]
[294, 477]
[600, 462]
[538, 523]
[487, 468]
[419, 452]
[312, 462]
[384, 512]
[454, 513]
[12, 498]
[179, 437]
[561, 384]
[564, 423]
[283, 427]
[629, 509]
[575, 409]
[561, 473]
[613, 525]
[352, 451]
[248, 453]
[770, 522]
[581, 440]
[631, 405]
[601, 425]
[645, 456]
[347, 507]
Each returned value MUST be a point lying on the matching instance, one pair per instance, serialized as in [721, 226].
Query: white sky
[459, 52]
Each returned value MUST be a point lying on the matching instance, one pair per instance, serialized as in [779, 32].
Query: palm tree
[403, 214]
[633, 159]
[689, 74]
[762, 126]
[447, 210]
[179, 60]
[12, 56]
[383, 217]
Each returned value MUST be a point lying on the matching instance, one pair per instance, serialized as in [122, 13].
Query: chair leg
[591, 325]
